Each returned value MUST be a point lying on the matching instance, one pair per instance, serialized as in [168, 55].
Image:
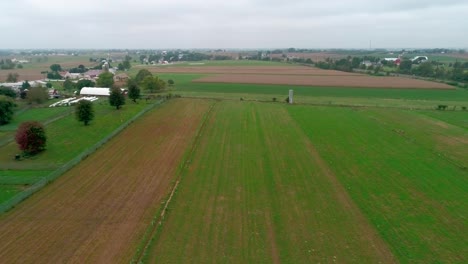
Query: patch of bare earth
[332, 81]
[98, 211]
[23, 74]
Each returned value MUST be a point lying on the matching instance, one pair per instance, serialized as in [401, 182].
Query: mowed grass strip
[415, 198]
[257, 192]
[98, 211]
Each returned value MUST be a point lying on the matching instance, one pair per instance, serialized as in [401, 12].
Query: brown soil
[343, 81]
[98, 211]
[267, 70]
[24, 74]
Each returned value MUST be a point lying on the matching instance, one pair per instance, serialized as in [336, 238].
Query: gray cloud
[236, 24]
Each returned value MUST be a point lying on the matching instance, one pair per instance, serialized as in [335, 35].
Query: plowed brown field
[333, 81]
[98, 211]
[23, 74]
[268, 70]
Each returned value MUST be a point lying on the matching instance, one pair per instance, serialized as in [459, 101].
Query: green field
[302, 184]
[42, 114]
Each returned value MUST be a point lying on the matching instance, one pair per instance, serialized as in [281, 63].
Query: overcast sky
[155, 24]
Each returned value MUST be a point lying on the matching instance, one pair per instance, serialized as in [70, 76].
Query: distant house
[69, 75]
[95, 91]
[367, 63]
[92, 74]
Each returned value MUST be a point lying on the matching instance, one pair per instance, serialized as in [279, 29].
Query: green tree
[68, 85]
[55, 67]
[31, 137]
[133, 90]
[7, 92]
[37, 95]
[84, 83]
[6, 109]
[25, 85]
[105, 79]
[116, 98]
[120, 67]
[425, 69]
[141, 75]
[84, 111]
[153, 84]
[54, 76]
[12, 77]
[126, 63]
[405, 66]
[48, 85]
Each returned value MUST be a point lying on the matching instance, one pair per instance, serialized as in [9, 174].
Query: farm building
[95, 91]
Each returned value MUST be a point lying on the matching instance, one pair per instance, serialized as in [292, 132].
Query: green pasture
[398, 170]
[8, 191]
[40, 114]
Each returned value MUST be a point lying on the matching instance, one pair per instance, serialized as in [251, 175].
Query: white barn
[95, 91]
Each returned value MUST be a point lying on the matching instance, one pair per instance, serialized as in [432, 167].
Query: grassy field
[42, 114]
[256, 191]
[390, 164]
[271, 183]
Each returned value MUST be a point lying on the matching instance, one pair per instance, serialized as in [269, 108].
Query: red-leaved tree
[31, 137]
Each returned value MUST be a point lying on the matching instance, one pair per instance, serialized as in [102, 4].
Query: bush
[442, 107]
[170, 82]
[6, 109]
[31, 137]
[464, 108]
[274, 99]
[7, 92]
[37, 95]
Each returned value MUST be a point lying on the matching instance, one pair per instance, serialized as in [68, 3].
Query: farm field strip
[99, 210]
[415, 199]
[257, 192]
[253, 70]
[334, 81]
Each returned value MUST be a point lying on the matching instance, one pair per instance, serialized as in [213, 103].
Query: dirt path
[98, 211]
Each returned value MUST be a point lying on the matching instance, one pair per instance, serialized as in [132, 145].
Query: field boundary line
[15, 200]
[157, 222]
